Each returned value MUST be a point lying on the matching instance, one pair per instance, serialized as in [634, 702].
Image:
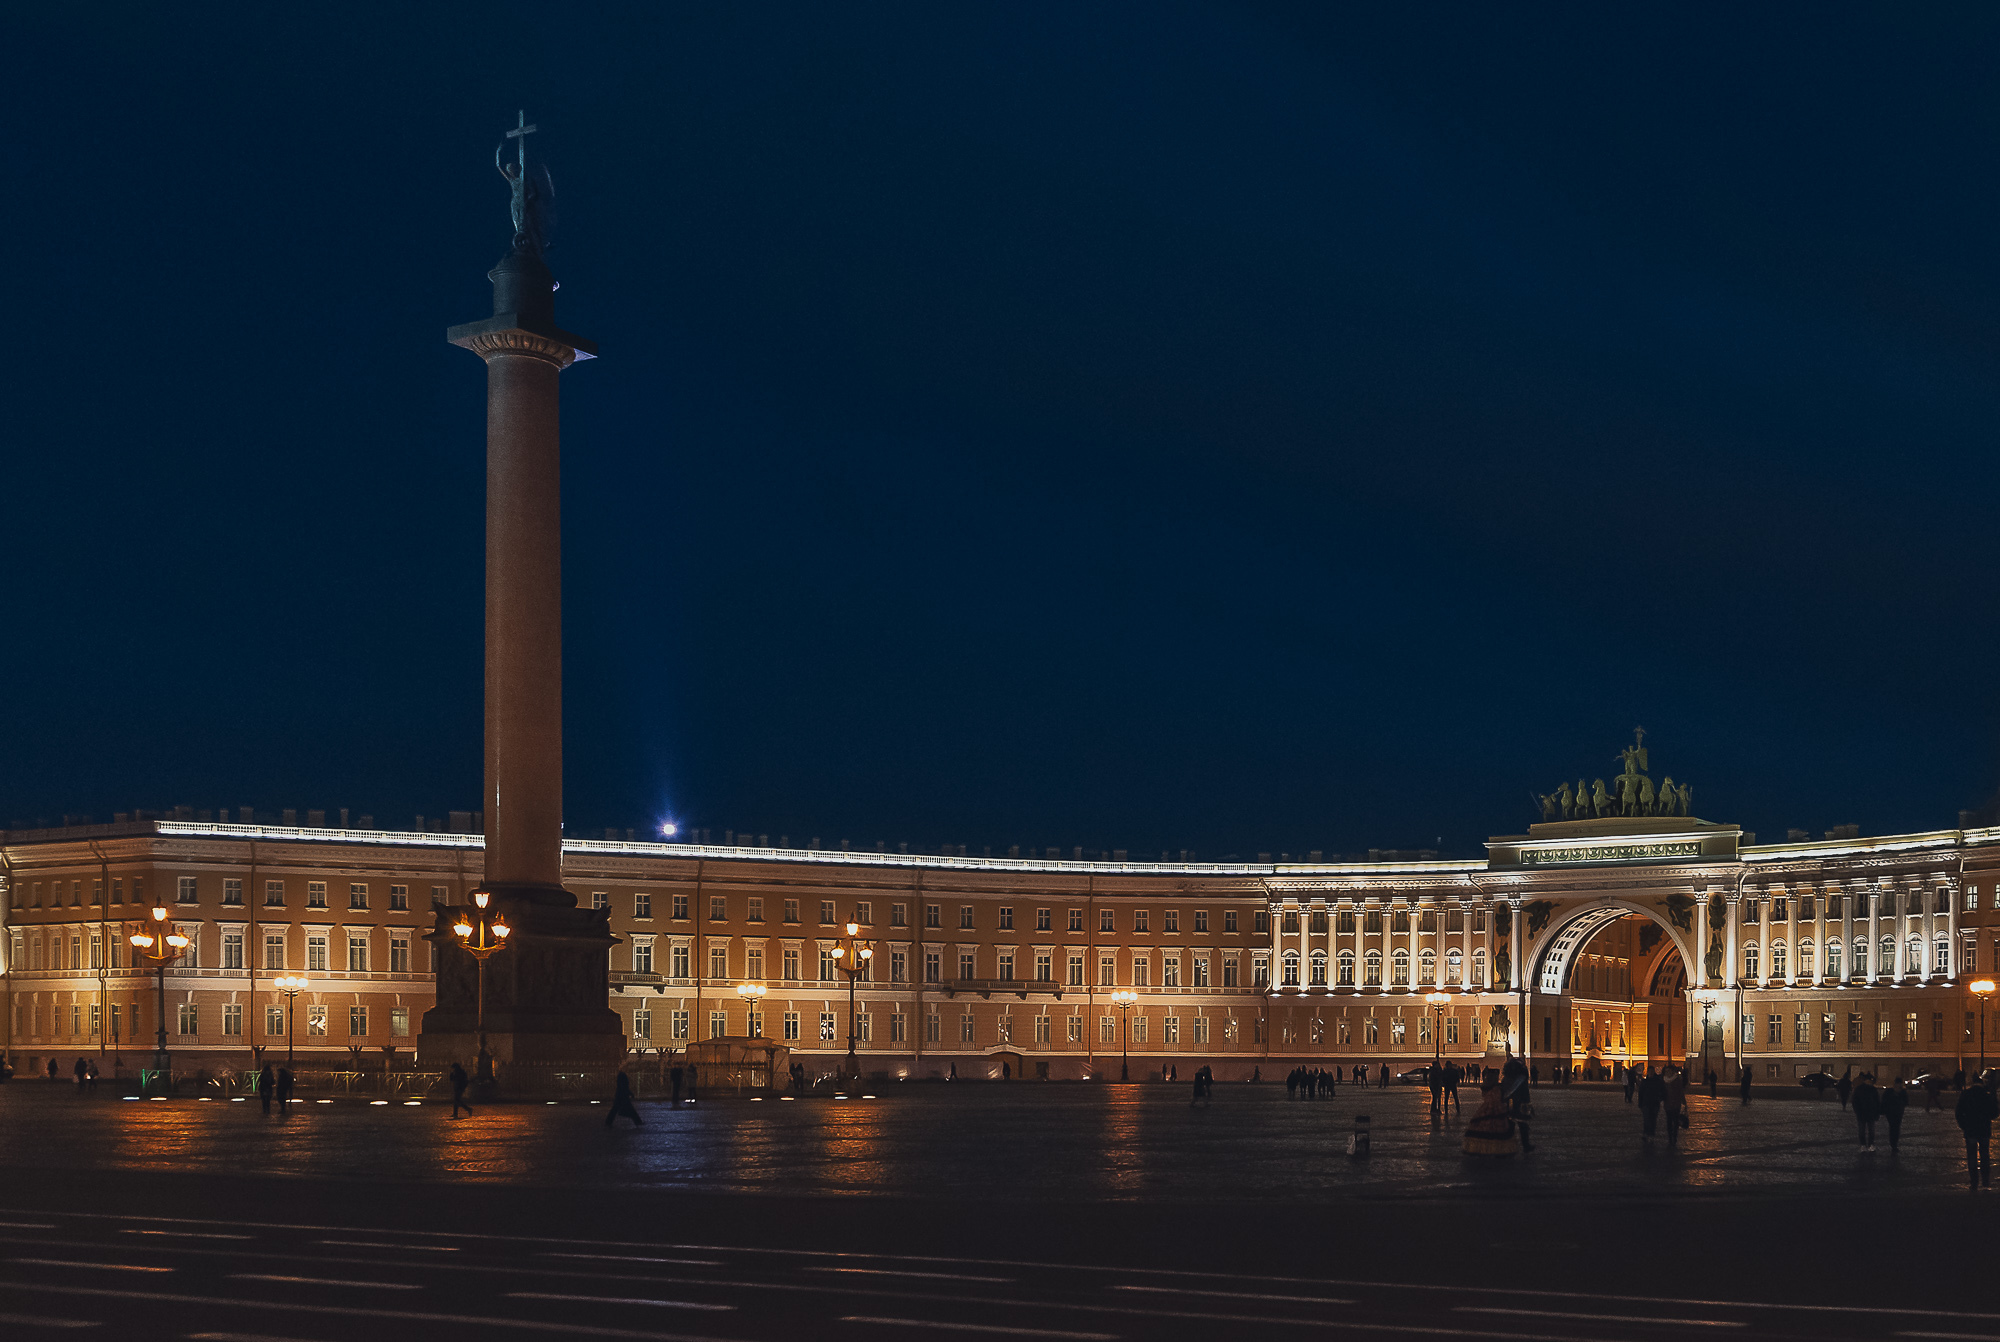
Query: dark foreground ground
[961, 1212]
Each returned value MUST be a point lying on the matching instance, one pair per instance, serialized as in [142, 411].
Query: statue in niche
[1499, 1028]
[1501, 965]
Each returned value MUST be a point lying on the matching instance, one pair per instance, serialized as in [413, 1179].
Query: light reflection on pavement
[1023, 1141]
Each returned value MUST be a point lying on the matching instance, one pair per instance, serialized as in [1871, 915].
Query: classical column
[545, 999]
[1416, 944]
[1948, 892]
[1514, 950]
[1875, 966]
[1732, 968]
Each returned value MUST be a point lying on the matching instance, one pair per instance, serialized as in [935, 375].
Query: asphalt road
[180, 1219]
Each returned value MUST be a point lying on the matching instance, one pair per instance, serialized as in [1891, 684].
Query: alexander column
[544, 995]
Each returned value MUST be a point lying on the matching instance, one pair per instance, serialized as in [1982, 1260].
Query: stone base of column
[545, 994]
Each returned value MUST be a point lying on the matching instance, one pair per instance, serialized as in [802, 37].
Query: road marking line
[185, 1234]
[37, 1321]
[102, 1267]
[27, 1225]
[347, 1243]
[1238, 1295]
[980, 1328]
[240, 1337]
[358, 1312]
[892, 1272]
[1962, 1337]
[615, 1300]
[1603, 1318]
[626, 1258]
[322, 1281]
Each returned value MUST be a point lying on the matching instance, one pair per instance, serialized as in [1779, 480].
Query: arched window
[1427, 966]
[1913, 963]
[1454, 967]
[1778, 960]
[1400, 967]
[1319, 969]
[1345, 967]
[1941, 960]
[1887, 965]
[1750, 961]
[1291, 971]
[1833, 959]
[1479, 968]
[1806, 960]
[1860, 957]
[1372, 970]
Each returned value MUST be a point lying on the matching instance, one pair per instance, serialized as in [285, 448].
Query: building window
[1372, 969]
[1044, 967]
[1807, 959]
[718, 962]
[680, 907]
[357, 1022]
[1263, 922]
[316, 951]
[965, 1028]
[933, 966]
[1317, 972]
[932, 916]
[315, 1022]
[186, 895]
[357, 896]
[826, 911]
[965, 917]
[899, 915]
[1454, 966]
[1076, 920]
[966, 969]
[399, 952]
[681, 954]
[755, 913]
[718, 1024]
[440, 896]
[678, 1023]
[1105, 921]
[357, 954]
[1291, 970]
[642, 957]
[1288, 922]
[1427, 966]
[274, 950]
[1170, 970]
[864, 914]
[826, 964]
[1006, 919]
[315, 894]
[232, 894]
[1778, 960]
[1140, 920]
[1171, 1034]
[1230, 974]
[642, 1023]
[232, 950]
[718, 909]
[190, 1021]
[1833, 959]
[791, 1025]
[1173, 921]
[399, 898]
[1860, 958]
[1937, 1027]
[399, 1022]
[753, 967]
[1941, 961]
[1200, 972]
[1075, 979]
[642, 904]
[1909, 1027]
[274, 1020]
[1750, 961]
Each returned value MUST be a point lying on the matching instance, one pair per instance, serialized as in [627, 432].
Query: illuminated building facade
[1603, 941]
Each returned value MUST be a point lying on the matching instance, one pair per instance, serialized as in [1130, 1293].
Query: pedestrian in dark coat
[621, 1102]
[1434, 1078]
[1652, 1093]
[1514, 1089]
[676, 1077]
[266, 1082]
[1976, 1109]
[1631, 1083]
[1451, 1077]
[1845, 1086]
[1675, 1083]
[459, 1081]
[1867, 1107]
[1894, 1100]
[1743, 1081]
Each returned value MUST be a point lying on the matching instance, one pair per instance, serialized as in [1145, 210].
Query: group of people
[274, 1084]
[1503, 1124]
[1312, 1083]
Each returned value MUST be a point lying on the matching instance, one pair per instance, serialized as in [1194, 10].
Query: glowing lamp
[464, 929]
[867, 953]
[839, 951]
[670, 829]
[480, 897]
[159, 914]
[1984, 987]
[853, 929]
[141, 940]
[501, 930]
[177, 941]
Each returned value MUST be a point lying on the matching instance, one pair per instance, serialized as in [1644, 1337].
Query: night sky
[1228, 428]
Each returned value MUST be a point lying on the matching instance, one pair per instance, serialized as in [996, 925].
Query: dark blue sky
[1229, 428]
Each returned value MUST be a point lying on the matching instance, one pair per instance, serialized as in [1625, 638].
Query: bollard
[1357, 1142]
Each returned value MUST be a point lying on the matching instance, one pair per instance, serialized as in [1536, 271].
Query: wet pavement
[1023, 1142]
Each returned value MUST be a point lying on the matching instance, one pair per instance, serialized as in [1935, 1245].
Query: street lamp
[1982, 989]
[1708, 997]
[291, 985]
[1438, 1002]
[1124, 999]
[752, 994]
[483, 934]
[159, 949]
[851, 958]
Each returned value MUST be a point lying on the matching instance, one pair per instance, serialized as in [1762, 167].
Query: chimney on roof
[1796, 836]
[368, 822]
[291, 816]
[316, 819]
[1844, 832]
[246, 815]
[343, 817]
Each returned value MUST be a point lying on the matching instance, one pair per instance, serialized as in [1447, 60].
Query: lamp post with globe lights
[160, 946]
[483, 933]
[1708, 997]
[291, 985]
[1124, 999]
[753, 996]
[1982, 992]
[851, 957]
[1438, 1002]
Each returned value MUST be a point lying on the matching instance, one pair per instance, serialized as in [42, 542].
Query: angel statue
[534, 195]
[1634, 755]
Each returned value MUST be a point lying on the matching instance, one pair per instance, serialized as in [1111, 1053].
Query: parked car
[1821, 1082]
[1416, 1076]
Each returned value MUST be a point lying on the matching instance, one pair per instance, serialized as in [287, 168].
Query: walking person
[1434, 1078]
[1651, 1093]
[459, 1081]
[1977, 1108]
[1631, 1083]
[265, 1081]
[676, 1077]
[621, 1102]
[1743, 1081]
[1894, 1100]
[1844, 1087]
[1514, 1090]
[284, 1091]
[1451, 1078]
[1674, 1082]
[1867, 1106]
